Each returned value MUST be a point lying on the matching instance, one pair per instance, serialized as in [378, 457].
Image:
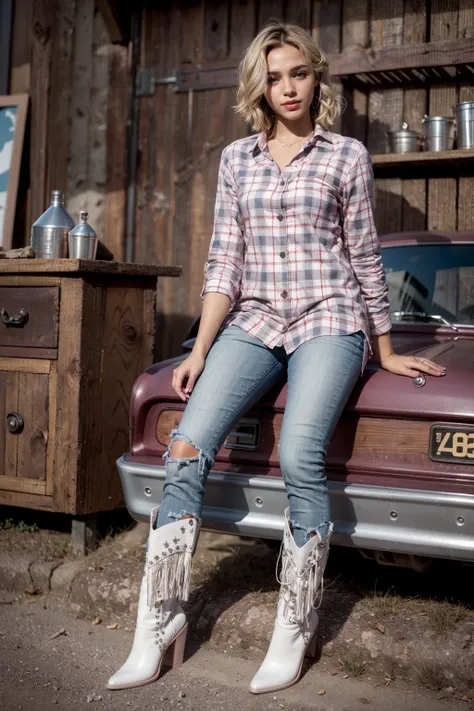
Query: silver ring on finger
[421, 360]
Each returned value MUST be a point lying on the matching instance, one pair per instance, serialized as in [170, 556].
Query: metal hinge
[146, 81]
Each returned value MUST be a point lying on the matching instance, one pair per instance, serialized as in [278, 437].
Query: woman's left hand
[411, 366]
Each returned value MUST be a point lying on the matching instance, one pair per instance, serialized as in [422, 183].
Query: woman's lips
[292, 105]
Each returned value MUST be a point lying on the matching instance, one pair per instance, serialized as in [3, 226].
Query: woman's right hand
[186, 374]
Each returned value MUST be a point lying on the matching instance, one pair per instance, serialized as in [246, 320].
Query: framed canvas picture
[13, 111]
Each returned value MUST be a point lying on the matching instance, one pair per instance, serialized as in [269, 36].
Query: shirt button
[283, 255]
[279, 218]
[284, 294]
[282, 182]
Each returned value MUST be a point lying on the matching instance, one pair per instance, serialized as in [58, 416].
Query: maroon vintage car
[401, 462]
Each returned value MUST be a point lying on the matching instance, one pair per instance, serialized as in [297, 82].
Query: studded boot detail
[161, 628]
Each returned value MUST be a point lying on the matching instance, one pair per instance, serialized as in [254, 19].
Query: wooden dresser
[74, 336]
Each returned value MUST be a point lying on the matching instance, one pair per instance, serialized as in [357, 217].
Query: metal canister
[438, 133]
[49, 233]
[403, 140]
[83, 239]
[465, 124]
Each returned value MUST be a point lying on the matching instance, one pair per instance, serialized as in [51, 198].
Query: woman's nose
[289, 89]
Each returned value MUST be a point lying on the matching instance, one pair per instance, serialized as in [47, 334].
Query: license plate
[452, 444]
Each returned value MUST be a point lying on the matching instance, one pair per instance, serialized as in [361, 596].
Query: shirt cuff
[221, 289]
[380, 325]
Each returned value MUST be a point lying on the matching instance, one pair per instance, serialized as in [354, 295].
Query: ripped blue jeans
[239, 370]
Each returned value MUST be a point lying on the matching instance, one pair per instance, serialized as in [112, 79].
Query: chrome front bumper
[425, 523]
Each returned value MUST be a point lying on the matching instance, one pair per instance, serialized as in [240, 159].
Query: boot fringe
[169, 578]
[299, 591]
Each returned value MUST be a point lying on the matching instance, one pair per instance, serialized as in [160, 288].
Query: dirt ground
[50, 660]
[394, 626]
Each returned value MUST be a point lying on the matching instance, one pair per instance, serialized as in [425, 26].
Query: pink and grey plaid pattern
[297, 251]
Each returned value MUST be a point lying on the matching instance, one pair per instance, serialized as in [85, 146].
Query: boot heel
[312, 648]
[174, 656]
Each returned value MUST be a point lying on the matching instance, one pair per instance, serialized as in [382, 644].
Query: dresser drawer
[29, 316]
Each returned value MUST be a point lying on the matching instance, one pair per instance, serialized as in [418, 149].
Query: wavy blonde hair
[251, 102]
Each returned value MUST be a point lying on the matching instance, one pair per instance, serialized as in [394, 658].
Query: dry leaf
[364, 701]
[57, 634]
[96, 621]
[322, 692]
[114, 626]
[380, 627]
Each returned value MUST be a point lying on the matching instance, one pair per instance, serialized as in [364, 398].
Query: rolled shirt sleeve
[223, 269]
[362, 242]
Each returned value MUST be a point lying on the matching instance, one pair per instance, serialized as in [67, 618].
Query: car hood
[378, 392]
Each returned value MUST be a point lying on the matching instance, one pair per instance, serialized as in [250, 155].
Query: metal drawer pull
[18, 320]
[15, 422]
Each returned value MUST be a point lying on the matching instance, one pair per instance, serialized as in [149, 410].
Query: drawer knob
[15, 422]
[18, 319]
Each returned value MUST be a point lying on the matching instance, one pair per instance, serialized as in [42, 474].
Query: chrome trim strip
[429, 523]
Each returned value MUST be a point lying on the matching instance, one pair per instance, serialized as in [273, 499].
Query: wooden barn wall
[182, 134]
[79, 86]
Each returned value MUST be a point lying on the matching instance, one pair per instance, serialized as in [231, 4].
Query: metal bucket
[402, 141]
[465, 124]
[438, 133]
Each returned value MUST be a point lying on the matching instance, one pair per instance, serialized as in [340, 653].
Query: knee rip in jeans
[204, 459]
[324, 529]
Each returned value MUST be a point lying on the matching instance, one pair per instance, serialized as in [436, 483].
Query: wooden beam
[407, 56]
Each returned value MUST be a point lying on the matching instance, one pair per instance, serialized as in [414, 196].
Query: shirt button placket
[284, 245]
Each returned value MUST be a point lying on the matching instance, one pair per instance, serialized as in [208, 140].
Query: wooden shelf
[405, 64]
[455, 161]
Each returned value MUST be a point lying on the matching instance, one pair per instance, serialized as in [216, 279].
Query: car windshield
[436, 280]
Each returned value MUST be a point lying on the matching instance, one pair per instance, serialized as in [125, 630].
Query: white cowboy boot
[160, 633]
[295, 632]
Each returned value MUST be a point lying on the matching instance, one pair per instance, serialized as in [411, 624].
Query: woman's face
[291, 83]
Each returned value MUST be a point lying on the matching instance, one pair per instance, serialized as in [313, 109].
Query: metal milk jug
[49, 232]
[83, 239]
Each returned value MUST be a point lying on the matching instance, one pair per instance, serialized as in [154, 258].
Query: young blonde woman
[294, 287]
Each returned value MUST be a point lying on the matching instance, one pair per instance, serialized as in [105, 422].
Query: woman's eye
[301, 75]
[272, 80]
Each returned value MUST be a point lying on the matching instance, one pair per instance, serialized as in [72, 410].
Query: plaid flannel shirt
[296, 251]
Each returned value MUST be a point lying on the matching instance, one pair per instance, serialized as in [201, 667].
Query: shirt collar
[261, 142]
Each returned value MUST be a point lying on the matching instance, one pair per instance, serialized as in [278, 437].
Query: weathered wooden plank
[26, 500]
[97, 139]
[414, 108]
[326, 25]
[67, 438]
[59, 118]
[20, 72]
[355, 33]
[39, 266]
[3, 414]
[13, 484]
[442, 191]
[78, 166]
[433, 54]
[190, 31]
[386, 114]
[43, 16]
[216, 30]
[117, 110]
[11, 405]
[33, 406]
[147, 145]
[299, 12]
[466, 93]
[270, 10]
[243, 17]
